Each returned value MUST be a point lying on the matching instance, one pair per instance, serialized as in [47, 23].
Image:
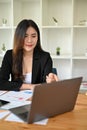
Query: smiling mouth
[29, 45]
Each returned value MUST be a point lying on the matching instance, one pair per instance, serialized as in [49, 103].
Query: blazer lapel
[36, 66]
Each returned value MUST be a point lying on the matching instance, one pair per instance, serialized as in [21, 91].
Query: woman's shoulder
[8, 57]
[45, 57]
[8, 53]
[41, 53]
[44, 53]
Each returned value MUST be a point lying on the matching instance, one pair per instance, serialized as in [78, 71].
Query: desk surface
[74, 120]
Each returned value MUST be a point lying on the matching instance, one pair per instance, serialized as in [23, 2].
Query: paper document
[83, 86]
[3, 114]
[13, 117]
[42, 122]
[15, 104]
[2, 92]
[17, 95]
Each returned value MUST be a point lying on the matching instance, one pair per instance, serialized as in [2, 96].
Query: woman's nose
[29, 39]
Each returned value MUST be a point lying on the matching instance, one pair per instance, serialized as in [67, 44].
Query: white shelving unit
[69, 34]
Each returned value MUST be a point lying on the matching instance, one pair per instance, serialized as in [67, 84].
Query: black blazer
[42, 66]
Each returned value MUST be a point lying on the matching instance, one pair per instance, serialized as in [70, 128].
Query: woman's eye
[26, 35]
[34, 36]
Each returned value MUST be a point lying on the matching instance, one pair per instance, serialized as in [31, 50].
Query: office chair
[54, 70]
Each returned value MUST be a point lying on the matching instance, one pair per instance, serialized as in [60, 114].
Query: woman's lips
[29, 45]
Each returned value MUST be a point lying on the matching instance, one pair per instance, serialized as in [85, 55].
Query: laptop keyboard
[23, 116]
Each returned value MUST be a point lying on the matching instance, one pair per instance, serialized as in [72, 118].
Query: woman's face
[30, 40]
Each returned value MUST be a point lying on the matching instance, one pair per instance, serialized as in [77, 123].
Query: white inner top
[27, 78]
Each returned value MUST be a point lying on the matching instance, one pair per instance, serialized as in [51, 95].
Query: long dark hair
[19, 43]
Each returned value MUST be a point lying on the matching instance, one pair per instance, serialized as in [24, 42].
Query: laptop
[50, 100]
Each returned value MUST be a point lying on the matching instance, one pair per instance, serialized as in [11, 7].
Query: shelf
[82, 57]
[1, 55]
[69, 33]
[80, 26]
[52, 8]
[80, 9]
[5, 27]
[6, 14]
[56, 26]
[29, 9]
[52, 38]
[61, 56]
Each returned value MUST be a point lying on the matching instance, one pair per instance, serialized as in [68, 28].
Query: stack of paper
[15, 104]
[16, 98]
[17, 95]
[4, 113]
[83, 87]
[2, 92]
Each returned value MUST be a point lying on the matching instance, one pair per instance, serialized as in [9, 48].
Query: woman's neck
[27, 62]
[28, 54]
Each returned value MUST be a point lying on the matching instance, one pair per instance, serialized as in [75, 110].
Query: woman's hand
[51, 78]
[27, 86]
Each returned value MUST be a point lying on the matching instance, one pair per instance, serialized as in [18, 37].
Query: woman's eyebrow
[33, 34]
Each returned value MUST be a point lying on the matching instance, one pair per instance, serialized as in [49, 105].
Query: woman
[27, 64]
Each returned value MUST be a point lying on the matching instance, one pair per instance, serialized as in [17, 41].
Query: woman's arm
[49, 76]
[27, 86]
[6, 75]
